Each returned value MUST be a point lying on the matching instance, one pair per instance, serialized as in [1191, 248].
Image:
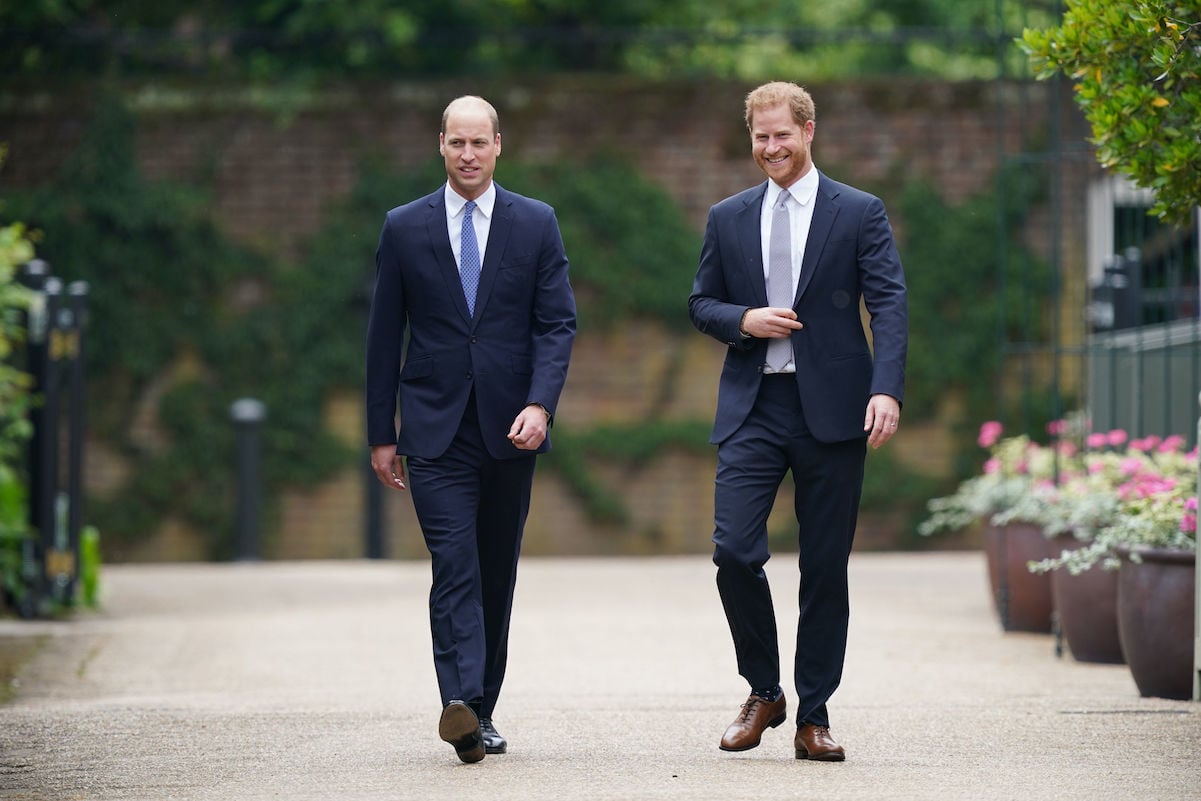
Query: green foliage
[16, 248]
[630, 446]
[181, 323]
[88, 586]
[1137, 73]
[304, 40]
[15, 399]
[967, 294]
[632, 252]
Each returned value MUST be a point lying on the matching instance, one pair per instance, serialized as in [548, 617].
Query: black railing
[54, 358]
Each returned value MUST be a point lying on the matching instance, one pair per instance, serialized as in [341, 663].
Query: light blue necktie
[469, 258]
[779, 279]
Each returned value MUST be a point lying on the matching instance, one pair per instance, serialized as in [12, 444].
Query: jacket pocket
[417, 368]
[522, 365]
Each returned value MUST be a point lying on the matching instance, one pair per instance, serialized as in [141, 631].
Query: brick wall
[274, 175]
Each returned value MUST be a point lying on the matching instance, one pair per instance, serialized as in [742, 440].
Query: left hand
[529, 429]
[883, 417]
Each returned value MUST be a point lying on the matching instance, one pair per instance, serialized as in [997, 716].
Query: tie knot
[470, 207]
[782, 203]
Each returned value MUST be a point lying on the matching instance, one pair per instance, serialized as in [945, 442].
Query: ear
[498, 144]
[442, 144]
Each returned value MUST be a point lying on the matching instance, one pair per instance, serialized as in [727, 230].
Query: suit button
[474, 340]
[469, 374]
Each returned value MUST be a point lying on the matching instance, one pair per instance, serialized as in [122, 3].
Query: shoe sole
[771, 724]
[832, 757]
[461, 728]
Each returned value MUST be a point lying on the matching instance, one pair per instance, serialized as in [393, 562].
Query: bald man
[476, 278]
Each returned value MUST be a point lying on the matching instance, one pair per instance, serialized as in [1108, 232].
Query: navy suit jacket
[850, 254]
[514, 351]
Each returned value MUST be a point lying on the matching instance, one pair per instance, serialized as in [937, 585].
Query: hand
[389, 467]
[768, 322]
[883, 417]
[529, 429]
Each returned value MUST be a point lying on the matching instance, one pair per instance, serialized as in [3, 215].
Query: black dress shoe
[461, 728]
[493, 742]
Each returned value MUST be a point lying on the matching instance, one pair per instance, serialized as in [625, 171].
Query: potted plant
[1135, 511]
[997, 499]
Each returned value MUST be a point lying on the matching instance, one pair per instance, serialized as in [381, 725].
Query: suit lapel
[750, 239]
[825, 211]
[440, 240]
[494, 250]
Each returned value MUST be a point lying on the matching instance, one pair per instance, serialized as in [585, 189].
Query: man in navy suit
[782, 271]
[476, 277]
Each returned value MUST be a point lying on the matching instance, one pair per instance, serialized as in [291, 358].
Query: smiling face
[780, 144]
[469, 144]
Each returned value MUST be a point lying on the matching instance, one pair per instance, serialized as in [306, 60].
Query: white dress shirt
[455, 203]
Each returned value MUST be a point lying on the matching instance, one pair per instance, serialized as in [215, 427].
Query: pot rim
[1156, 554]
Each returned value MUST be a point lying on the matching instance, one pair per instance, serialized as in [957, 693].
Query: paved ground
[313, 681]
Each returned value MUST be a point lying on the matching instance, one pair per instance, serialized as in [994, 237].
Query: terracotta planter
[1155, 620]
[1086, 606]
[1022, 598]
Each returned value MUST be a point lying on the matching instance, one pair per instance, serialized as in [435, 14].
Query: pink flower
[1057, 427]
[1116, 437]
[1172, 443]
[1188, 521]
[993, 465]
[1130, 466]
[1096, 440]
[990, 432]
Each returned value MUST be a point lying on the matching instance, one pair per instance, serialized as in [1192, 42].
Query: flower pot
[1155, 620]
[1086, 606]
[1022, 598]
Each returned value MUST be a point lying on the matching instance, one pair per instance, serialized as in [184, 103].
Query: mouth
[777, 160]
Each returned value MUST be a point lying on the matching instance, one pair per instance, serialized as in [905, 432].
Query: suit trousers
[828, 478]
[472, 509]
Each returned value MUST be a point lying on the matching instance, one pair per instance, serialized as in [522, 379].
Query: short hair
[769, 95]
[472, 100]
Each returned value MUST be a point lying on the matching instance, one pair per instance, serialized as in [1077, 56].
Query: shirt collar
[802, 191]
[485, 202]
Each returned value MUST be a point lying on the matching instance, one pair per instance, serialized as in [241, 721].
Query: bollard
[248, 415]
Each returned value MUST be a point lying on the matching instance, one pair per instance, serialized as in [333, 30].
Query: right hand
[769, 322]
[388, 465]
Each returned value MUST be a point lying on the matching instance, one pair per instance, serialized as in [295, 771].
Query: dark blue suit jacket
[849, 254]
[513, 352]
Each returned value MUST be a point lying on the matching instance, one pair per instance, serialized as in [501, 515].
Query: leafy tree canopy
[298, 39]
[1137, 73]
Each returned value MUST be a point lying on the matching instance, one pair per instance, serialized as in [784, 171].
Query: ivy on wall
[183, 321]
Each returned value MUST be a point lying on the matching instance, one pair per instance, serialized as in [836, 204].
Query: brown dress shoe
[815, 742]
[461, 728]
[756, 716]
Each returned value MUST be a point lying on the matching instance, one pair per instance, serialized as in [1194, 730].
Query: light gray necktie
[779, 278]
[469, 258]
